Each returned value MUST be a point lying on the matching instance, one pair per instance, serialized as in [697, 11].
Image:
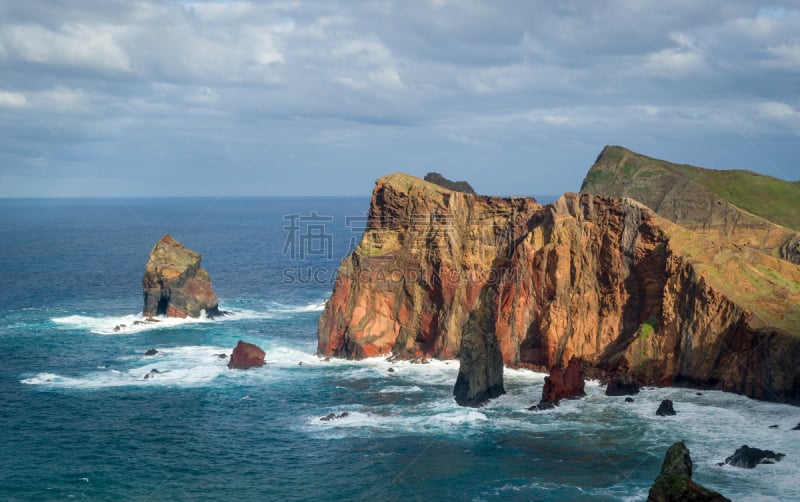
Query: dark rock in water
[300, 363]
[773, 426]
[151, 352]
[221, 356]
[246, 355]
[153, 372]
[674, 482]
[175, 285]
[334, 416]
[119, 327]
[699, 393]
[628, 399]
[750, 457]
[542, 406]
[563, 383]
[665, 408]
[390, 370]
[622, 385]
[796, 427]
[456, 186]
[480, 376]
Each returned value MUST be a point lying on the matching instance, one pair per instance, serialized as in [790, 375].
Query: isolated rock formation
[666, 408]
[562, 383]
[622, 385]
[246, 355]
[743, 207]
[456, 186]
[748, 457]
[674, 482]
[600, 279]
[175, 285]
[480, 375]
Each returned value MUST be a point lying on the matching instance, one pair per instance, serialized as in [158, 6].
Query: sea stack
[674, 483]
[175, 285]
[245, 356]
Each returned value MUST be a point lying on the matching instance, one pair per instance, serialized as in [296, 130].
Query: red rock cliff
[601, 279]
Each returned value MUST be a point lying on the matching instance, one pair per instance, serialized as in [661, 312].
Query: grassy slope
[771, 198]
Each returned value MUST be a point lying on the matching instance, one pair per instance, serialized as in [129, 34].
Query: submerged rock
[245, 356]
[674, 482]
[665, 408]
[175, 285]
[334, 416]
[750, 457]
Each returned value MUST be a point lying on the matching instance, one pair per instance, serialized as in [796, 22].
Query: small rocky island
[674, 483]
[175, 285]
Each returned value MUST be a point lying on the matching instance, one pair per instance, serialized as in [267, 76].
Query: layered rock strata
[600, 279]
[175, 285]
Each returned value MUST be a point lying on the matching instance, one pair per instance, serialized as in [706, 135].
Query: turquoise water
[79, 421]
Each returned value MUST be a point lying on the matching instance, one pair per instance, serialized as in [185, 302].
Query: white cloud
[12, 99]
[786, 56]
[81, 45]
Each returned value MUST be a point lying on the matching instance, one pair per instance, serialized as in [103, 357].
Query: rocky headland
[601, 279]
[175, 285]
[741, 207]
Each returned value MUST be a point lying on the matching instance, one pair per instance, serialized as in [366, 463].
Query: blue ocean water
[78, 420]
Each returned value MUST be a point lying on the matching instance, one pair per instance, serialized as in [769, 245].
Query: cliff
[174, 284]
[601, 279]
[744, 207]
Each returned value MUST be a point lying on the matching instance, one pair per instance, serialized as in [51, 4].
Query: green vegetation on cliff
[623, 173]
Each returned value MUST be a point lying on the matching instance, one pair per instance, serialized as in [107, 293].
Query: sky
[220, 98]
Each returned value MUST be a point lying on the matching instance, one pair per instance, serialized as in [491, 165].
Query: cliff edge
[743, 207]
[602, 279]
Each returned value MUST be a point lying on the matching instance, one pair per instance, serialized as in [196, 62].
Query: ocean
[78, 420]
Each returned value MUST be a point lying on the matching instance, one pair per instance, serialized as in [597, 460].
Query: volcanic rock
[246, 355]
[151, 352]
[628, 399]
[602, 279]
[174, 283]
[622, 385]
[665, 408]
[480, 376]
[456, 186]
[562, 383]
[750, 457]
[674, 482]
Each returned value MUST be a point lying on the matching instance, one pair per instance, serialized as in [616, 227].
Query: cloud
[12, 99]
[338, 93]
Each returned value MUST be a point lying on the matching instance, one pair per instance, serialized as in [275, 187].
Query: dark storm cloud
[292, 97]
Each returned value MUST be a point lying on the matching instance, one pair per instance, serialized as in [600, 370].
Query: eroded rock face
[600, 279]
[674, 482]
[174, 283]
[456, 186]
[562, 383]
[245, 356]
